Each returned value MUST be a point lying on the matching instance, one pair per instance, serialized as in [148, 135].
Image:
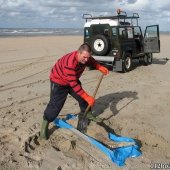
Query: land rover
[117, 40]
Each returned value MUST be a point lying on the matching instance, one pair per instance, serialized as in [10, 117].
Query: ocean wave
[39, 31]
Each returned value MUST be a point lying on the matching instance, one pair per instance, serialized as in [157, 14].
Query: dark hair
[85, 47]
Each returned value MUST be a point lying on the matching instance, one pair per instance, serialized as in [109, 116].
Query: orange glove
[103, 69]
[89, 99]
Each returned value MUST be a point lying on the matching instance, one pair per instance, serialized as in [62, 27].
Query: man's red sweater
[67, 71]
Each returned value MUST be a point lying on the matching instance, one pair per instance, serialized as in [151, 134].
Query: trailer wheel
[100, 45]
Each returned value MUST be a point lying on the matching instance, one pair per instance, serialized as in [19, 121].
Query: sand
[135, 104]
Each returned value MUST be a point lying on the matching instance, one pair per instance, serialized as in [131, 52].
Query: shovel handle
[95, 92]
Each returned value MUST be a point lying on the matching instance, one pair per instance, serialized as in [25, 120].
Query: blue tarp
[117, 155]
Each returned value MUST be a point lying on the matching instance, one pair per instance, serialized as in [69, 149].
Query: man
[64, 79]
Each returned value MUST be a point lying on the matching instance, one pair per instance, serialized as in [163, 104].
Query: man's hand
[89, 99]
[103, 69]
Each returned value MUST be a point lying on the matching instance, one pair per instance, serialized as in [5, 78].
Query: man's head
[83, 53]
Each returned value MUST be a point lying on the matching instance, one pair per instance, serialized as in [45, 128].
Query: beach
[135, 104]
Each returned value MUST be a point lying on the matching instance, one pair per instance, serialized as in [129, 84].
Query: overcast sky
[68, 13]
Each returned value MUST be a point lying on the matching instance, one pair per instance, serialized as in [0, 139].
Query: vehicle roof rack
[118, 17]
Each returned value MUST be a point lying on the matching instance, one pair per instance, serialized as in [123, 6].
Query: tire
[100, 45]
[147, 59]
[127, 63]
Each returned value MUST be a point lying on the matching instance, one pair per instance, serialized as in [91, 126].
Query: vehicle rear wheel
[100, 45]
[147, 60]
[127, 63]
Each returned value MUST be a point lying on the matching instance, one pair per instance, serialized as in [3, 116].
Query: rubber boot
[82, 125]
[44, 130]
[91, 117]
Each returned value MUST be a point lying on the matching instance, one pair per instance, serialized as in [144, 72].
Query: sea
[17, 32]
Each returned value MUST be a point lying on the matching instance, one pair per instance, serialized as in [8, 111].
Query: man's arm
[92, 62]
[76, 86]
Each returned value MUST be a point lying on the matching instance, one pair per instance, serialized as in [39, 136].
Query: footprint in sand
[33, 140]
[31, 143]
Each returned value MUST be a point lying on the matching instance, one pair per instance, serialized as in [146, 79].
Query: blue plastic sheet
[117, 155]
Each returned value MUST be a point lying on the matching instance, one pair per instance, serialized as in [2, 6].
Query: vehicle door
[138, 37]
[126, 39]
[151, 39]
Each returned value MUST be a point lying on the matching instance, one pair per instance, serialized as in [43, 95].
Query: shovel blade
[82, 125]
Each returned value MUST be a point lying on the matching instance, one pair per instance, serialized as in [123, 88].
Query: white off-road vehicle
[117, 40]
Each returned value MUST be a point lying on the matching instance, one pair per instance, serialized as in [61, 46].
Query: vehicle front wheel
[147, 60]
[127, 63]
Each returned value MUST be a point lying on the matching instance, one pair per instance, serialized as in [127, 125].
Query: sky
[69, 13]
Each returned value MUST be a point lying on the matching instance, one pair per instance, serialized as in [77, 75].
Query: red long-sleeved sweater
[67, 71]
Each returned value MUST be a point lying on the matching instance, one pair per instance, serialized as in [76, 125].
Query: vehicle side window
[151, 32]
[126, 33]
[122, 33]
[130, 32]
[137, 32]
[114, 31]
[86, 33]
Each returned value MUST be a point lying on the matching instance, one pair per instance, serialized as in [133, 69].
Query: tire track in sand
[42, 71]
